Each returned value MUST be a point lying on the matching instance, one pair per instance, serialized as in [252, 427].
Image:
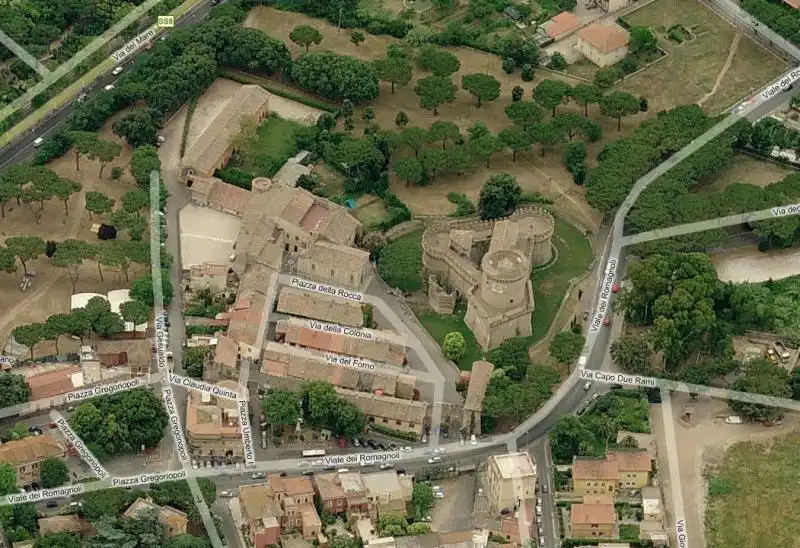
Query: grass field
[692, 68]
[439, 326]
[370, 213]
[550, 284]
[754, 496]
[265, 153]
[400, 263]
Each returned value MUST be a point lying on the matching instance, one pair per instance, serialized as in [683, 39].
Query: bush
[400, 263]
[533, 197]
[509, 65]
[235, 177]
[397, 212]
[464, 205]
[52, 148]
[557, 62]
[391, 432]
[527, 73]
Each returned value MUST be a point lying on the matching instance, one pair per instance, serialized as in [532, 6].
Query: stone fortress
[489, 264]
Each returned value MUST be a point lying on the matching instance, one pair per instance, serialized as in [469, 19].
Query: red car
[607, 321]
[615, 288]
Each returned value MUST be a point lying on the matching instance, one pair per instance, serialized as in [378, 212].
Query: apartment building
[173, 519]
[511, 480]
[635, 467]
[342, 492]
[617, 470]
[212, 424]
[296, 497]
[261, 514]
[395, 413]
[594, 518]
[26, 456]
[388, 493]
[316, 306]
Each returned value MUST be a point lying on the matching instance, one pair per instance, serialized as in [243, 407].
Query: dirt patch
[744, 169]
[51, 290]
[689, 72]
[702, 444]
[747, 264]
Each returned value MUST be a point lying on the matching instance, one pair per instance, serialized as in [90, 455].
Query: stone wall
[439, 299]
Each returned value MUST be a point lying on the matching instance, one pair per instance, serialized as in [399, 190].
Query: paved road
[22, 150]
[731, 11]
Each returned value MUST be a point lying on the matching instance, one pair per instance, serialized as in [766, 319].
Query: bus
[310, 453]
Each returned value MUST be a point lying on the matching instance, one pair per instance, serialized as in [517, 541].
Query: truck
[781, 350]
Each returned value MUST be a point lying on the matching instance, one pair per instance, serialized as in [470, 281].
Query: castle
[489, 263]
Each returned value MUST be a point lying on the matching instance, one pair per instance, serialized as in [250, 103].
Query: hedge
[391, 432]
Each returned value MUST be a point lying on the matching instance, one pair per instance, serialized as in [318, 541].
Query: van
[38, 142]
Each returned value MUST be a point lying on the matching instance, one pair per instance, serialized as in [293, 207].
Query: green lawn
[439, 326]
[265, 153]
[754, 496]
[628, 531]
[550, 284]
[400, 263]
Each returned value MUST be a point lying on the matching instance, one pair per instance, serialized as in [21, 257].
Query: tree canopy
[499, 196]
[336, 77]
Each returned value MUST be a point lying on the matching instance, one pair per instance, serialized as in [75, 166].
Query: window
[295, 249]
[286, 247]
[397, 423]
[351, 278]
[313, 266]
[331, 272]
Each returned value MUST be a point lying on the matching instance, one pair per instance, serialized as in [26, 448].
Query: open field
[546, 175]
[51, 289]
[692, 68]
[550, 284]
[370, 210]
[754, 496]
[439, 326]
[265, 153]
[748, 264]
[702, 444]
[743, 169]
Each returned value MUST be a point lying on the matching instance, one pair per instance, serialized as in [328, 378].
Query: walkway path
[721, 74]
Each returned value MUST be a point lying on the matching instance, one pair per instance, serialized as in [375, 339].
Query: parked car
[109, 87]
[38, 142]
[372, 444]
[387, 465]
[259, 475]
[587, 386]
[781, 350]
[51, 504]
[733, 419]
[473, 440]
[355, 442]
[117, 71]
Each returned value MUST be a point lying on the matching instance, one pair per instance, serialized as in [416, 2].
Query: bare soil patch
[744, 169]
[747, 264]
[689, 72]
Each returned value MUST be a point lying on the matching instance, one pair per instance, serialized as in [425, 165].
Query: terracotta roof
[139, 351]
[597, 509]
[632, 461]
[288, 174]
[605, 37]
[226, 352]
[562, 23]
[292, 486]
[57, 524]
[328, 486]
[204, 417]
[165, 513]
[208, 269]
[341, 256]
[257, 502]
[54, 383]
[590, 468]
[314, 305]
[386, 406]
[228, 197]
[30, 449]
[203, 155]
[478, 380]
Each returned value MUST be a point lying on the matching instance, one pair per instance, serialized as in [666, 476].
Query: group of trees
[336, 77]
[320, 406]
[120, 423]
[395, 525]
[34, 186]
[781, 18]
[692, 316]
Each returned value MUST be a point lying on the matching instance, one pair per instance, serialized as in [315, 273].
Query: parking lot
[454, 511]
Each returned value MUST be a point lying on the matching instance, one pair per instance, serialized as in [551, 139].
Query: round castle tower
[505, 274]
[538, 225]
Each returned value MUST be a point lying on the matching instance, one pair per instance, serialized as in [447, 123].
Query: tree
[569, 123]
[795, 383]
[413, 138]
[410, 170]
[349, 125]
[57, 325]
[13, 391]
[281, 409]
[320, 402]
[575, 156]
[761, 377]
[139, 127]
[63, 189]
[484, 87]
[632, 353]
[135, 312]
[516, 139]
[305, 35]
[29, 335]
[392, 525]
[70, 255]
[566, 438]
[641, 40]
[186, 541]
[357, 37]
[135, 200]
[25, 248]
[551, 93]
[566, 346]
[605, 78]
[454, 346]
[83, 142]
[422, 499]
[347, 109]
[98, 203]
[508, 65]
[558, 62]
[516, 94]
[104, 152]
[144, 160]
[53, 472]
[618, 104]
[40, 191]
[485, 146]
[499, 196]
[336, 77]
[395, 70]
[58, 540]
[585, 95]
[401, 119]
[524, 113]
[194, 360]
[547, 135]
[134, 223]
[440, 62]
[527, 72]
[8, 191]
[349, 420]
[8, 263]
[142, 289]
[433, 91]
[116, 173]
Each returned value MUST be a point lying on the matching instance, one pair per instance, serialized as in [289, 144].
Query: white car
[109, 87]
[38, 142]
[434, 459]
[473, 440]
[387, 465]
[406, 448]
[225, 494]
[117, 71]
[438, 495]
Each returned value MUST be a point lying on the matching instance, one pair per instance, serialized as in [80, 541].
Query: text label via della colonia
[341, 330]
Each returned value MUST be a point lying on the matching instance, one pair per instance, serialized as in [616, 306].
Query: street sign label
[165, 21]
